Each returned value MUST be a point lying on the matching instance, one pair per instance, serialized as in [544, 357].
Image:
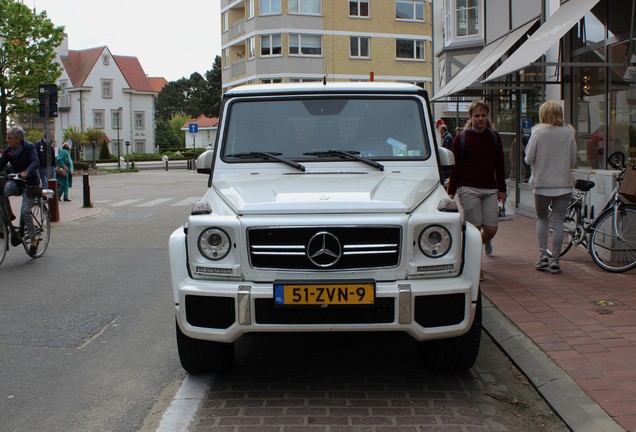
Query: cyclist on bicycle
[24, 160]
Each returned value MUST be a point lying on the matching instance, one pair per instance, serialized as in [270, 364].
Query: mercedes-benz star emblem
[324, 249]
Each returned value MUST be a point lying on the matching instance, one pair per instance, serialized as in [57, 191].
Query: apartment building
[516, 54]
[268, 41]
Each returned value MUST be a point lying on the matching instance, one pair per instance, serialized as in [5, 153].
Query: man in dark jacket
[46, 162]
[24, 161]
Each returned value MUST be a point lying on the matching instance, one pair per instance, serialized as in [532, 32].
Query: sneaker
[554, 268]
[488, 248]
[543, 263]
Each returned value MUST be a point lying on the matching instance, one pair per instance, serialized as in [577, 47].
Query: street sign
[193, 128]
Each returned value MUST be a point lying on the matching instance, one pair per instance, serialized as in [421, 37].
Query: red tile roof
[158, 83]
[79, 64]
[203, 122]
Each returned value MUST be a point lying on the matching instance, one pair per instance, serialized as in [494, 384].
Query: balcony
[237, 29]
[238, 68]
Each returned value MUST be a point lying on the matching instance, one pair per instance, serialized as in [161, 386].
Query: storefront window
[622, 101]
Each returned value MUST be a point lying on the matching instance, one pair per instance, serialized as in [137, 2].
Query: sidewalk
[583, 319]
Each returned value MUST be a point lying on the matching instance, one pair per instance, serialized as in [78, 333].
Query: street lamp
[119, 109]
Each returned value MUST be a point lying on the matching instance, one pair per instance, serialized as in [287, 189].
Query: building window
[249, 8]
[271, 45]
[359, 47]
[305, 44]
[115, 119]
[270, 7]
[140, 146]
[271, 80]
[226, 58]
[251, 48]
[409, 49]
[140, 122]
[410, 10]
[359, 8]
[304, 7]
[98, 119]
[107, 88]
[106, 59]
[467, 18]
[225, 21]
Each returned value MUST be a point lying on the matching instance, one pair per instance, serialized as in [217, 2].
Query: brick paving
[583, 318]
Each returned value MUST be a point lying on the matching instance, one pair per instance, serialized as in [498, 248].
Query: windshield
[374, 128]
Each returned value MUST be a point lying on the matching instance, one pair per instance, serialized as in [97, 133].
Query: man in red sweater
[479, 173]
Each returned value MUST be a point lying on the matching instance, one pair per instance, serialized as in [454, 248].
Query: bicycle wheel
[4, 240]
[571, 231]
[42, 226]
[611, 252]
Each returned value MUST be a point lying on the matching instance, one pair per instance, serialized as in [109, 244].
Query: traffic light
[48, 95]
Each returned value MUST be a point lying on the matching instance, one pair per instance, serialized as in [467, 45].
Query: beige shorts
[479, 205]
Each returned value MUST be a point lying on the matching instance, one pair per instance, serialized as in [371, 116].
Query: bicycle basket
[628, 187]
[34, 191]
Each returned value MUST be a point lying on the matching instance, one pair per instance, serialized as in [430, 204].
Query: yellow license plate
[350, 293]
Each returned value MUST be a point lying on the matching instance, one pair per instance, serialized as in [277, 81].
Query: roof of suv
[328, 87]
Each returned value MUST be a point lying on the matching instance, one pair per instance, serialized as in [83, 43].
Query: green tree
[164, 136]
[104, 153]
[78, 138]
[215, 92]
[191, 96]
[176, 123]
[26, 58]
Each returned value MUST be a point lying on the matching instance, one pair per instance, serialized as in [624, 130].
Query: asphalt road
[87, 332]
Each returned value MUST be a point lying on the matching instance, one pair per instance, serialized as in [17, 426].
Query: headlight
[435, 241]
[214, 244]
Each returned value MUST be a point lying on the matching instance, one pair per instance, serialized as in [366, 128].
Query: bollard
[54, 203]
[87, 191]
[166, 165]
[132, 165]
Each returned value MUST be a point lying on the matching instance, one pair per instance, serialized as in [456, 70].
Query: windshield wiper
[346, 154]
[267, 155]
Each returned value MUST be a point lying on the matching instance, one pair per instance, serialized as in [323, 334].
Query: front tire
[455, 354]
[201, 356]
[4, 241]
[42, 226]
[610, 252]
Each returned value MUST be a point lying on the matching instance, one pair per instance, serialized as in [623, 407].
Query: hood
[325, 192]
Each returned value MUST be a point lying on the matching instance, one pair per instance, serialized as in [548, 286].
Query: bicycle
[15, 235]
[611, 237]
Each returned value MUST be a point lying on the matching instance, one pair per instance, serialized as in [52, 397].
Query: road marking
[154, 202]
[185, 404]
[186, 202]
[125, 202]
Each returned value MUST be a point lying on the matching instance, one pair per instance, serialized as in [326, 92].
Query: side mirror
[446, 157]
[204, 162]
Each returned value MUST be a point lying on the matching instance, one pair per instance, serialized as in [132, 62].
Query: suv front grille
[318, 248]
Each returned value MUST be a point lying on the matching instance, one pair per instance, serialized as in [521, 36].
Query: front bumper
[224, 310]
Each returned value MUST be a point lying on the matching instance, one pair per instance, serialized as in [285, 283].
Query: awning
[545, 37]
[482, 61]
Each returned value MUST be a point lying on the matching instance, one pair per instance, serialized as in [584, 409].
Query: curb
[580, 412]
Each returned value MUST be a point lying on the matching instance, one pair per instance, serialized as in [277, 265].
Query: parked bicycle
[15, 235]
[611, 237]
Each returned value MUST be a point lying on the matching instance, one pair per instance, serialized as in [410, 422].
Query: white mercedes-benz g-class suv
[326, 213]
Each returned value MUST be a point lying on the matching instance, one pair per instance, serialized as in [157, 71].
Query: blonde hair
[66, 146]
[551, 113]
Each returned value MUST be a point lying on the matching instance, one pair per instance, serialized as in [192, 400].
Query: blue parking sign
[193, 128]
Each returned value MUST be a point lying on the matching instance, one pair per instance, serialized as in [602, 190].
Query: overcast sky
[171, 39]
